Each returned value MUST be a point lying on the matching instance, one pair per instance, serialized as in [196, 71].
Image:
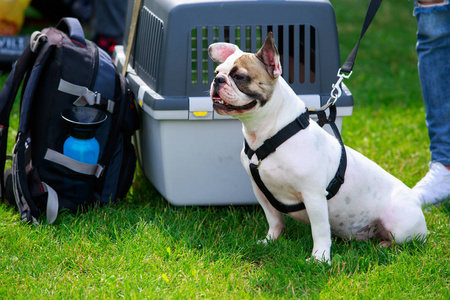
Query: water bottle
[83, 150]
[81, 123]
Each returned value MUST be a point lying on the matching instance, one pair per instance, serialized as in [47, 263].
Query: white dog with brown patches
[370, 203]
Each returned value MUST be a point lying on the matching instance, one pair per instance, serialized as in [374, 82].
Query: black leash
[302, 122]
[371, 12]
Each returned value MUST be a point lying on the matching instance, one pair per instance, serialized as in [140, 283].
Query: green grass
[144, 247]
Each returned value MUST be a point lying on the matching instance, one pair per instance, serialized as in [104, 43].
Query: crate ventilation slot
[148, 45]
[296, 44]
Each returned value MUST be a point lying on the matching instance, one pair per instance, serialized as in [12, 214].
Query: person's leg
[109, 23]
[433, 49]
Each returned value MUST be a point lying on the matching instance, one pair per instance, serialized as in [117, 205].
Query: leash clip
[336, 91]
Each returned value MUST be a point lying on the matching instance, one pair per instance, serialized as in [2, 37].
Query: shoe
[435, 186]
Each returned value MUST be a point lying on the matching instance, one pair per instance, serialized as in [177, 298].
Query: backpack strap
[31, 84]
[27, 70]
[23, 65]
[74, 165]
[27, 209]
[85, 96]
[52, 203]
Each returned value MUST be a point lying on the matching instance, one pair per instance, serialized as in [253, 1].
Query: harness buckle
[303, 120]
[340, 178]
[253, 166]
[265, 149]
[321, 115]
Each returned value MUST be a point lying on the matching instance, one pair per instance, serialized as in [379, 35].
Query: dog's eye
[238, 77]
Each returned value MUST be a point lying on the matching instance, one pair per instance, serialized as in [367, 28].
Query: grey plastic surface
[193, 162]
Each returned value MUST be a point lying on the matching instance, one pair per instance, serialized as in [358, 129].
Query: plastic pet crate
[190, 153]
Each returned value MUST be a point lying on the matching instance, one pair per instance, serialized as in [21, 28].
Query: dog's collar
[270, 145]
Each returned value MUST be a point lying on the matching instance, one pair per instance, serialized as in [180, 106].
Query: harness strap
[270, 145]
[284, 208]
[338, 179]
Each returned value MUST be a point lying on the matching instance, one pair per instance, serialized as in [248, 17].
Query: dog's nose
[219, 80]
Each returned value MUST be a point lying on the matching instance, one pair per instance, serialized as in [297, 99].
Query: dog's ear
[219, 52]
[268, 54]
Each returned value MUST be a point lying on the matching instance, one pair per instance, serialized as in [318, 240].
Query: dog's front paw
[272, 235]
[265, 241]
[324, 257]
[314, 259]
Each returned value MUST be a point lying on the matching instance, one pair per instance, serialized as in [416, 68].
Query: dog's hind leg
[402, 220]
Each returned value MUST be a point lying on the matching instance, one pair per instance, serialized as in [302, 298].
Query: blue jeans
[433, 49]
[109, 18]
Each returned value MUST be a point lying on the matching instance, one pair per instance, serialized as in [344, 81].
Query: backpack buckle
[36, 39]
[99, 171]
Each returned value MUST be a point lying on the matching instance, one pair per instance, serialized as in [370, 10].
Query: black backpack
[62, 71]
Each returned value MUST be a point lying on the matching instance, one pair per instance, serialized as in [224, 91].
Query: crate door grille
[148, 46]
[297, 45]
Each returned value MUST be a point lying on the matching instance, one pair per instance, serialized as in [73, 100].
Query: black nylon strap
[338, 179]
[371, 11]
[271, 144]
[7, 96]
[275, 203]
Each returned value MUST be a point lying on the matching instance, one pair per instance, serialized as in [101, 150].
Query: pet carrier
[190, 153]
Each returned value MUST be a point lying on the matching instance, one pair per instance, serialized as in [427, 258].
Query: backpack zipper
[94, 66]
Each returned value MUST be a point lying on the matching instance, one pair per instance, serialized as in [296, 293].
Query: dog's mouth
[219, 104]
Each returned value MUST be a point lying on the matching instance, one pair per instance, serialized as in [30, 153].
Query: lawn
[145, 248]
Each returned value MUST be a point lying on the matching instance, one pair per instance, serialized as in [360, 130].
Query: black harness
[270, 145]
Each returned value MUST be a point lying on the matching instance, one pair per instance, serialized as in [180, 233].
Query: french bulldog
[371, 203]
